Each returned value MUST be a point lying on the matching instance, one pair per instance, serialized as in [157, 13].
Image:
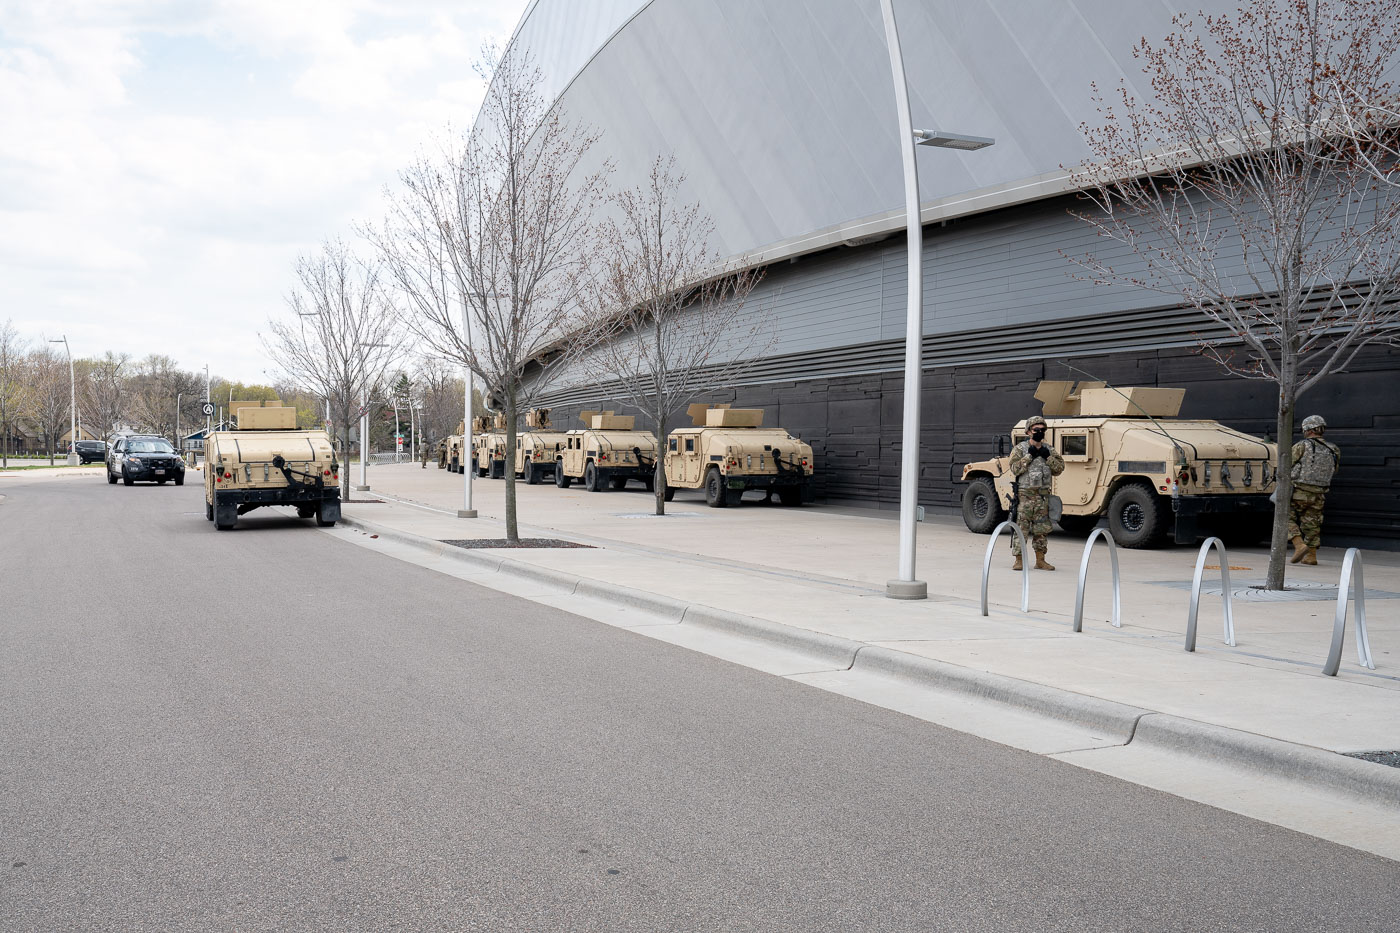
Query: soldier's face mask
[1038, 433]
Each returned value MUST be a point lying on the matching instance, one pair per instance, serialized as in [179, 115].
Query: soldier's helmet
[1034, 420]
[1314, 423]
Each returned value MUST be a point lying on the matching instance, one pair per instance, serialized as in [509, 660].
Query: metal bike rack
[1025, 566]
[1224, 593]
[1351, 575]
[1084, 573]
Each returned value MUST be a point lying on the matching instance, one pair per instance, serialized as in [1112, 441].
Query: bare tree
[488, 240]
[668, 320]
[13, 386]
[49, 395]
[439, 391]
[1237, 192]
[104, 392]
[158, 387]
[343, 339]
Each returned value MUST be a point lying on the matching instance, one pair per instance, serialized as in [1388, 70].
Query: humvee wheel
[1078, 526]
[560, 479]
[981, 508]
[789, 495]
[618, 482]
[650, 483]
[716, 496]
[1136, 518]
[532, 475]
[590, 478]
[208, 511]
[306, 511]
[670, 493]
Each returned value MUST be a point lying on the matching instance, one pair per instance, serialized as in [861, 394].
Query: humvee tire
[498, 470]
[981, 509]
[716, 496]
[225, 516]
[532, 475]
[560, 480]
[1136, 516]
[1078, 526]
[790, 495]
[306, 511]
[669, 494]
[208, 512]
[590, 478]
[618, 482]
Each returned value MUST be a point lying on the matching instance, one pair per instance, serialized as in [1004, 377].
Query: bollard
[1224, 593]
[1084, 572]
[1351, 574]
[1025, 566]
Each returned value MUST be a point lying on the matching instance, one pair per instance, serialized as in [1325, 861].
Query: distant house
[195, 441]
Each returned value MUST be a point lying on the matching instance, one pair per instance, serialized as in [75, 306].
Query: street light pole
[467, 453]
[72, 404]
[905, 586]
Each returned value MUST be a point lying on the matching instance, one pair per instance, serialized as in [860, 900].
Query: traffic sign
[206, 409]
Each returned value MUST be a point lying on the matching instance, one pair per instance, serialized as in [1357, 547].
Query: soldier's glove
[1040, 452]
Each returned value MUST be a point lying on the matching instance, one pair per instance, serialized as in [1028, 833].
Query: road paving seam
[1124, 724]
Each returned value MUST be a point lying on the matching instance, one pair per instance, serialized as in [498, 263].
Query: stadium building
[781, 114]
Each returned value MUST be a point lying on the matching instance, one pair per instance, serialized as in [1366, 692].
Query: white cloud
[161, 163]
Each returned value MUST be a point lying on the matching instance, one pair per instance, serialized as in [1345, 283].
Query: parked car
[145, 458]
[90, 451]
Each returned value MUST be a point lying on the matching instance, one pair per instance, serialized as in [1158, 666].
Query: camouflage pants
[1305, 516]
[1033, 518]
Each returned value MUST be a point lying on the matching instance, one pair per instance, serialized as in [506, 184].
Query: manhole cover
[1250, 591]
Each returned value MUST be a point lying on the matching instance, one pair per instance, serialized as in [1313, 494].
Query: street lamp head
[951, 140]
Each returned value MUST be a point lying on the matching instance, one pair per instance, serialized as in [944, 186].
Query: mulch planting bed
[524, 543]
[1381, 758]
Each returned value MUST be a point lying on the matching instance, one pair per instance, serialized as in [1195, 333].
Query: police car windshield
[151, 447]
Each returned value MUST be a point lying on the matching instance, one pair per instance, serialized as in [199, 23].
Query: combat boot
[1299, 549]
[1310, 557]
[1041, 563]
[1016, 565]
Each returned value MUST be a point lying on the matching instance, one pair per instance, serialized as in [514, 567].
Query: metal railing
[1117, 619]
[1025, 566]
[1224, 593]
[1351, 576]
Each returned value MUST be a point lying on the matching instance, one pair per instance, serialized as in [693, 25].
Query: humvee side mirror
[1001, 445]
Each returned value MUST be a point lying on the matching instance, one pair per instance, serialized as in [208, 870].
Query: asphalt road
[271, 729]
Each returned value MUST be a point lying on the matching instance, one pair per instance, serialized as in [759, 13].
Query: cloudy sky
[162, 162]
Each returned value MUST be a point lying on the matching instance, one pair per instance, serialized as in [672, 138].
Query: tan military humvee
[727, 451]
[489, 445]
[537, 447]
[607, 451]
[450, 450]
[266, 460]
[1130, 458]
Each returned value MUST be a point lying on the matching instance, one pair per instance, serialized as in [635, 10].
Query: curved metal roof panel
[781, 112]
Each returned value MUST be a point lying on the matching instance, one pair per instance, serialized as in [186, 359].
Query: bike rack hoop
[1083, 575]
[1025, 565]
[1351, 575]
[1224, 593]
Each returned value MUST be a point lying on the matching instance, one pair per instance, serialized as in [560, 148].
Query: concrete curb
[1116, 720]
[1316, 767]
[1126, 725]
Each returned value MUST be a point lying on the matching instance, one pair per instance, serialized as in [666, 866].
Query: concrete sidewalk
[1256, 724]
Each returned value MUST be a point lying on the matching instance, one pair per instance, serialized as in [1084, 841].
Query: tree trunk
[1283, 490]
[508, 469]
[659, 482]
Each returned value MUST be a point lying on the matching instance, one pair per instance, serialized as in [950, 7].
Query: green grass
[16, 465]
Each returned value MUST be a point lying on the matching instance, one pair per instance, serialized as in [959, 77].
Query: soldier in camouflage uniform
[1315, 462]
[1034, 463]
